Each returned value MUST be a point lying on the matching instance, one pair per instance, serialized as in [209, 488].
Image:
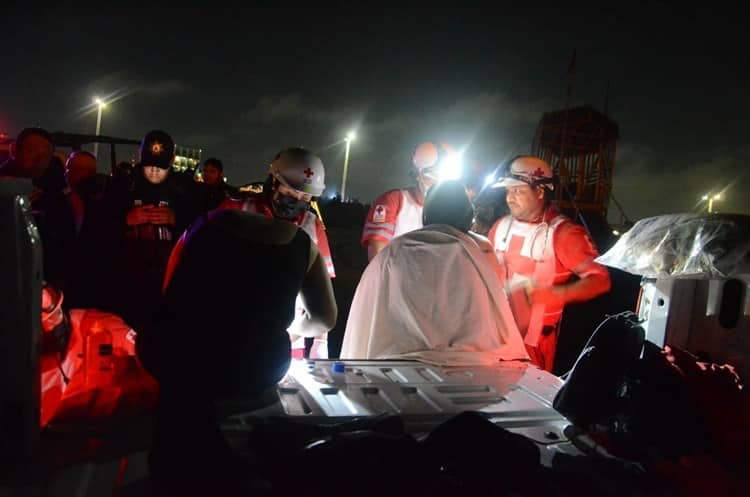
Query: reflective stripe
[387, 226]
[383, 233]
[329, 266]
[593, 268]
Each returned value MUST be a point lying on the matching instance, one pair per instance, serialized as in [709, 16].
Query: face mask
[61, 333]
[288, 207]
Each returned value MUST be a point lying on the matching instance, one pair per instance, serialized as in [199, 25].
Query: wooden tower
[579, 143]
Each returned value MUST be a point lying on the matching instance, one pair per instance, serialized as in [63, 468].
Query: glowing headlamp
[449, 168]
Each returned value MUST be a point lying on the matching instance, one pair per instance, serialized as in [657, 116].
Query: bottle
[100, 367]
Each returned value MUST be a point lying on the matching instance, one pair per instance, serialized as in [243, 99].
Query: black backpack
[593, 388]
[624, 386]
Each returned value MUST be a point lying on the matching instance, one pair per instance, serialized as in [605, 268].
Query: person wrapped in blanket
[435, 294]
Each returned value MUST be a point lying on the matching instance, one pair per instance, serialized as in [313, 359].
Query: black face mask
[61, 332]
[56, 339]
[288, 207]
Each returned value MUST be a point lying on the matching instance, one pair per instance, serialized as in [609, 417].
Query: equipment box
[710, 318]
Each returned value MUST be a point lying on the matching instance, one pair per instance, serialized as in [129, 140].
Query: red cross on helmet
[299, 169]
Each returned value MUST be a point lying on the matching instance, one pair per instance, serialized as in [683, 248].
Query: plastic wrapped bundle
[700, 246]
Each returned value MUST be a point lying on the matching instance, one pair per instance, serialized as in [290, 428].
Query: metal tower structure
[579, 143]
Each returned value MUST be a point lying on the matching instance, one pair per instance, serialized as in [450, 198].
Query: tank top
[222, 322]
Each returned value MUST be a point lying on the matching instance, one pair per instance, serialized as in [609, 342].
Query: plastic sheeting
[699, 246]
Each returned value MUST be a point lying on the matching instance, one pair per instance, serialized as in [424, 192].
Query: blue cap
[338, 367]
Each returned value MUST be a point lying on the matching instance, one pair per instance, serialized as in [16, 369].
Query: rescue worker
[156, 212]
[396, 212]
[85, 351]
[541, 250]
[233, 345]
[410, 303]
[295, 177]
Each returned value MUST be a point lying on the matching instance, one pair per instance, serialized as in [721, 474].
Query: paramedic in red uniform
[541, 250]
[396, 212]
[295, 176]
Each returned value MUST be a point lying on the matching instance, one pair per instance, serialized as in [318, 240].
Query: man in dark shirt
[232, 345]
[154, 213]
[30, 156]
[82, 234]
[214, 189]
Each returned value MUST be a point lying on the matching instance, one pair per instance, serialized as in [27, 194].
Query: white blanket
[434, 295]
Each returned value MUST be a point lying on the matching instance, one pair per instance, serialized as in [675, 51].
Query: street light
[100, 105]
[711, 199]
[350, 137]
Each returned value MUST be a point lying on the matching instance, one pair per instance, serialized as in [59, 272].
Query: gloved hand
[553, 296]
[319, 349]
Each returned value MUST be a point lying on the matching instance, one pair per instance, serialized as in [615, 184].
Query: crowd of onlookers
[107, 237]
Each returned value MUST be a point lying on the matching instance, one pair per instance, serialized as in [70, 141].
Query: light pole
[100, 104]
[711, 199]
[350, 137]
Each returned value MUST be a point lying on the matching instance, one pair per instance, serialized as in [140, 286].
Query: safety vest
[538, 245]
[409, 215]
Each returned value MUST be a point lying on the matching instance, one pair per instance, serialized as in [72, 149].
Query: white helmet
[299, 169]
[527, 170]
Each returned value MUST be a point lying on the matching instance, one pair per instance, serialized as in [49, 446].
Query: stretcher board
[514, 395]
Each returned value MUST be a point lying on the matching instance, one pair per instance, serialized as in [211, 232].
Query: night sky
[242, 84]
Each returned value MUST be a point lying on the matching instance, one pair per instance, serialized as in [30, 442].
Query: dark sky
[242, 84]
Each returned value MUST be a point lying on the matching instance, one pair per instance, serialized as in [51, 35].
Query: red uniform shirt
[574, 254]
[392, 214]
[92, 392]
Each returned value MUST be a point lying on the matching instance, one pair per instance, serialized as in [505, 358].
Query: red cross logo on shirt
[308, 172]
[379, 214]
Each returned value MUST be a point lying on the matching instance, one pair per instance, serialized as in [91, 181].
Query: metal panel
[514, 395]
